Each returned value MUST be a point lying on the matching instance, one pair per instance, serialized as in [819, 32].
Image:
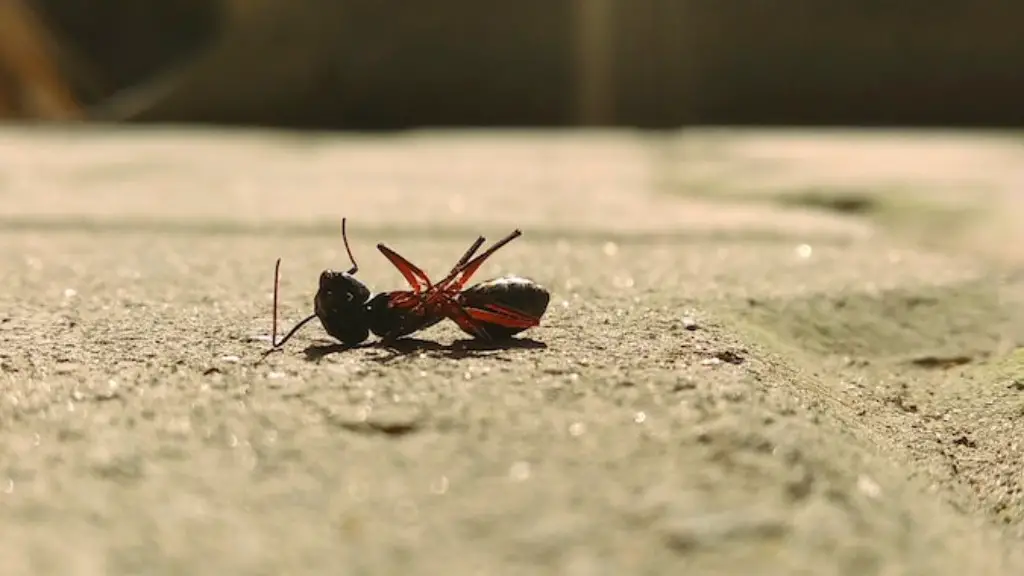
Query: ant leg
[464, 272]
[502, 316]
[469, 268]
[465, 257]
[412, 273]
[469, 253]
[457, 313]
[465, 269]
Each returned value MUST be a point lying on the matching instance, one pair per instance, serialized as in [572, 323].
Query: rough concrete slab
[723, 383]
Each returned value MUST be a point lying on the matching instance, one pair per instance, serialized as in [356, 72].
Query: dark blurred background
[390, 64]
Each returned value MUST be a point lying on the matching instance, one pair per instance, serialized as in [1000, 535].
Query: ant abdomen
[512, 292]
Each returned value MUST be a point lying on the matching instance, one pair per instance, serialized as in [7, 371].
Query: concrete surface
[772, 353]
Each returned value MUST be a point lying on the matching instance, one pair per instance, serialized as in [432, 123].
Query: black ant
[490, 310]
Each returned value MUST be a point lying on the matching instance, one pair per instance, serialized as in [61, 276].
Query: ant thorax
[387, 321]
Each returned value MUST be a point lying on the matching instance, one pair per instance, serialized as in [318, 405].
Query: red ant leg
[413, 275]
[446, 292]
[457, 313]
[462, 271]
[461, 274]
[411, 272]
[502, 316]
[469, 254]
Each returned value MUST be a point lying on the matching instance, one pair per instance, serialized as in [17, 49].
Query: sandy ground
[772, 353]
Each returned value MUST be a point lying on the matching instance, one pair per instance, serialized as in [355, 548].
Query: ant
[491, 310]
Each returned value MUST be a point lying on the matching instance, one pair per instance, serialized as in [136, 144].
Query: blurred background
[388, 64]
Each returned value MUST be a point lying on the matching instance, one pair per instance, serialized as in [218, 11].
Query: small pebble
[439, 486]
[869, 487]
[689, 323]
[395, 420]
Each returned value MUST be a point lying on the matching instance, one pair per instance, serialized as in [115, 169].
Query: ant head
[340, 304]
[342, 288]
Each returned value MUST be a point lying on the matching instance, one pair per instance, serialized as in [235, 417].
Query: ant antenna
[344, 236]
[274, 343]
[277, 286]
[294, 330]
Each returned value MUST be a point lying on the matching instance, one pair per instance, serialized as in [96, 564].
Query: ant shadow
[404, 347]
